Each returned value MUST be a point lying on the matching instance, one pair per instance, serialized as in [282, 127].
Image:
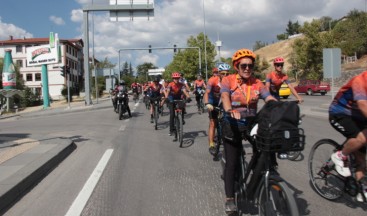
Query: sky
[236, 23]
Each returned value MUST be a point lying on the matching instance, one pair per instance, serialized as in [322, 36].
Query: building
[71, 55]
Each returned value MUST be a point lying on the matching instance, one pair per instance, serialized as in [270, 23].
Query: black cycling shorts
[347, 126]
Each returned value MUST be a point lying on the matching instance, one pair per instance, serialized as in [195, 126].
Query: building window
[38, 77]
[18, 48]
[19, 63]
[29, 77]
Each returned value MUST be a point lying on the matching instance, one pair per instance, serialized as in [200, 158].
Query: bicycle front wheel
[324, 178]
[280, 200]
[156, 116]
[180, 128]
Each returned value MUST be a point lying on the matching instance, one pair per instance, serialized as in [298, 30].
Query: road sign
[331, 62]
[131, 15]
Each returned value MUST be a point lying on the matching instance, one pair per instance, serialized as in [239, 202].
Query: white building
[71, 55]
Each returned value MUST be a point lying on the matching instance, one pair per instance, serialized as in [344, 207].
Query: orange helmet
[278, 60]
[239, 54]
[176, 75]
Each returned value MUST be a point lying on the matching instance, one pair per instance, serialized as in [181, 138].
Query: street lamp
[206, 64]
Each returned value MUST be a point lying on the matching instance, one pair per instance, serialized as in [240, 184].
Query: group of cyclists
[237, 95]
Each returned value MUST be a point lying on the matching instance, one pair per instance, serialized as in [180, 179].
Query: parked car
[310, 87]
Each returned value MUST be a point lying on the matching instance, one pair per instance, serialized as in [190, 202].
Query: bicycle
[178, 106]
[156, 108]
[326, 181]
[218, 128]
[135, 97]
[200, 104]
[258, 182]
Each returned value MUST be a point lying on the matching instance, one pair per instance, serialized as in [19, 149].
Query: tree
[142, 71]
[259, 45]
[187, 62]
[307, 52]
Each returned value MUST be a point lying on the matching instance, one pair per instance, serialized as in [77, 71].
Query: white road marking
[136, 104]
[81, 200]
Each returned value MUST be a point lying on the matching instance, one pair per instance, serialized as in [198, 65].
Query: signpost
[332, 65]
[119, 8]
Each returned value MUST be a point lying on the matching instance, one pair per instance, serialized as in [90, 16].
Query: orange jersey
[244, 96]
[276, 80]
[175, 90]
[214, 90]
[199, 83]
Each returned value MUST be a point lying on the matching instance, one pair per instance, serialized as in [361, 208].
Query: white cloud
[12, 30]
[57, 20]
[76, 15]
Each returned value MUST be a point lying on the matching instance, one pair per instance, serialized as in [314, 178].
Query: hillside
[283, 49]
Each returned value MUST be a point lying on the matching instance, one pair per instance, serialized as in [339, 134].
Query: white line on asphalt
[136, 104]
[81, 200]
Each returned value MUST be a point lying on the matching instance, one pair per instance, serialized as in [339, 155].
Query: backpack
[278, 130]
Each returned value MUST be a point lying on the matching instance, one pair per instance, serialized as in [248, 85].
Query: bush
[64, 92]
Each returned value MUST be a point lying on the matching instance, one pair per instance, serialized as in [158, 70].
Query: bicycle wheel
[281, 201]
[177, 125]
[324, 178]
[180, 128]
[156, 116]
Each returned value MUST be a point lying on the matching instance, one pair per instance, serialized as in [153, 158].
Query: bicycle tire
[324, 178]
[156, 116]
[120, 111]
[281, 200]
[176, 124]
[180, 128]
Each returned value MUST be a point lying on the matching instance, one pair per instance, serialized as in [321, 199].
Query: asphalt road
[147, 173]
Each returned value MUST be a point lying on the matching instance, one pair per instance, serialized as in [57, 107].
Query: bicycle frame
[178, 120]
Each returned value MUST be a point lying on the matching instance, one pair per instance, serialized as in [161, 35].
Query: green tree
[307, 51]
[351, 33]
[259, 45]
[187, 62]
[142, 71]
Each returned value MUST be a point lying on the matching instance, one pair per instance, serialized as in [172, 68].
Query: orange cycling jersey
[175, 90]
[276, 80]
[199, 83]
[214, 89]
[244, 94]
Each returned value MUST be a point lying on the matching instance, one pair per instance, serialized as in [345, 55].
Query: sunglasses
[279, 65]
[244, 66]
[225, 74]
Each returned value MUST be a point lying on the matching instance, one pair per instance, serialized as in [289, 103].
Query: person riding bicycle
[135, 88]
[240, 93]
[155, 91]
[199, 85]
[348, 116]
[175, 91]
[275, 79]
[122, 87]
[211, 100]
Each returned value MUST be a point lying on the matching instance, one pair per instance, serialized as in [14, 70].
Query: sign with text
[39, 55]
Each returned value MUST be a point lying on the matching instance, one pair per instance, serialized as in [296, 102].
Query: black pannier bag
[278, 129]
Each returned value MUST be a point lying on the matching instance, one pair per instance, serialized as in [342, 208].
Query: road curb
[17, 185]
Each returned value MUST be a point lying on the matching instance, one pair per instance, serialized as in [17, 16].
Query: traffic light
[174, 48]
[63, 69]
[150, 48]
[67, 70]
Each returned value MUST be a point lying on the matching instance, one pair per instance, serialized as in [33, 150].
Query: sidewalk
[23, 161]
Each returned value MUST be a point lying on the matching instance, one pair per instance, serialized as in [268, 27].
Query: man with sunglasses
[211, 100]
[275, 79]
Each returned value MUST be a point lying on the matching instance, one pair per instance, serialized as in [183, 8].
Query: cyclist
[135, 88]
[155, 90]
[184, 81]
[122, 87]
[199, 85]
[348, 116]
[240, 93]
[275, 79]
[175, 91]
[211, 100]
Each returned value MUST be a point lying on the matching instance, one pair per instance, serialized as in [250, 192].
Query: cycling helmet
[278, 60]
[239, 54]
[215, 70]
[224, 67]
[176, 75]
[122, 82]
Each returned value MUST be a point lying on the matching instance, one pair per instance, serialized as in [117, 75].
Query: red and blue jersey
[175, 90]
[276, 80]
[345, 101]
[214, 90]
